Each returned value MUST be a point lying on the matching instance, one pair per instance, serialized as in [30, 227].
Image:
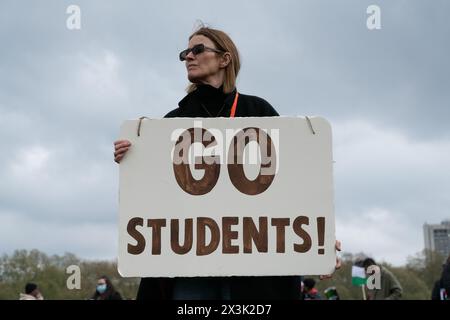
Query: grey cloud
[68, 92]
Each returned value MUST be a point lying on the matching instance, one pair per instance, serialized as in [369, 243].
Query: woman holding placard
[212, 63]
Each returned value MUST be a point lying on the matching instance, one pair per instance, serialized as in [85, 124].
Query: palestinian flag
[358, 276]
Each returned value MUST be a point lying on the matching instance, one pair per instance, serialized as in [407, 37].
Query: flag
[358, 276]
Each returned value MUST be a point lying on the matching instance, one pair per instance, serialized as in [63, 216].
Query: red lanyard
[233, 108]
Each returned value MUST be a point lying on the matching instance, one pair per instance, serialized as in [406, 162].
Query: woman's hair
[224, 43]
[368, 262]
[309, 283]
[109, 289]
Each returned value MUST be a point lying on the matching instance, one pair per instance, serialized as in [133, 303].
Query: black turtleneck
[214, 100]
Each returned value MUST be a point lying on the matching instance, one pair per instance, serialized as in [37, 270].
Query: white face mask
[101, 288]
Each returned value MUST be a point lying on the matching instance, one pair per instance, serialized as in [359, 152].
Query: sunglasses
[197, 49]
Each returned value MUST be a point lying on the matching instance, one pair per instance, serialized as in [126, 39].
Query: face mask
[101, 288]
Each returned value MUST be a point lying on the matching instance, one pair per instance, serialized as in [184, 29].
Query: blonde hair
[224, 43]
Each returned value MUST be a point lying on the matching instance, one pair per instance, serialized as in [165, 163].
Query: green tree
[416, 278]
[427, 266]
[49, 273]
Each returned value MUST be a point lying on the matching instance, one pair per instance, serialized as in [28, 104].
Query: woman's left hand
[337, 247]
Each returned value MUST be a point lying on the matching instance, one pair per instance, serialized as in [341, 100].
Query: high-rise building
[437, 237]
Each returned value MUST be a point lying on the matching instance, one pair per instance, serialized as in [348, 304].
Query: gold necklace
[209, 113]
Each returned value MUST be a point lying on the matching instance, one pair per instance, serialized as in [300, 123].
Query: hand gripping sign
[223, 197]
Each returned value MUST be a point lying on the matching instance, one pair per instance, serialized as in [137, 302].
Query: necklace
[209, 113]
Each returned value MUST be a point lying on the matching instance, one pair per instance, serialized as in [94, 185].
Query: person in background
[105, 290]
[309, 292]
[390, 288]
[441, 289]
[31, 293]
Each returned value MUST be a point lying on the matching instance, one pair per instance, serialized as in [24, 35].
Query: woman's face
[203, 67]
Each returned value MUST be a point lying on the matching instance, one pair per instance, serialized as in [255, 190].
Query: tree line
[49, 273]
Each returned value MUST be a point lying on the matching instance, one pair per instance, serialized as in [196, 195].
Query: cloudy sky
[64, 94]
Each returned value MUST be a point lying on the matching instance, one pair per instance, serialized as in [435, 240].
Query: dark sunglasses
[197, 49]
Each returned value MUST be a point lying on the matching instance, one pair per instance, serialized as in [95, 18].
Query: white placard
[225, 218]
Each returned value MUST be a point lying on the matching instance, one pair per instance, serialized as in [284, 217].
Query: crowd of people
[390, 288]
[104, 290]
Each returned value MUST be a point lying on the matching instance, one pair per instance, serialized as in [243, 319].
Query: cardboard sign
[223, 197]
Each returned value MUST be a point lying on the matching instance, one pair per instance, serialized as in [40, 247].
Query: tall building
[437, 237]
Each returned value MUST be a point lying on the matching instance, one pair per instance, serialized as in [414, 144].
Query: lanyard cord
[233, 108]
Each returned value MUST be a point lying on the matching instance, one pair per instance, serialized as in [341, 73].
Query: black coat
[208, 102]
[442, 283]
[219, 104]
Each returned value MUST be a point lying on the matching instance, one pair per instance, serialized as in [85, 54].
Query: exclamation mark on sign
[321, 234]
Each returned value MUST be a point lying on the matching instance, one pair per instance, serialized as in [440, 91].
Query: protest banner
[223, 197]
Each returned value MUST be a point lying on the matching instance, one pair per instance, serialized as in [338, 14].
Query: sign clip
[139, 125]
[310, 125]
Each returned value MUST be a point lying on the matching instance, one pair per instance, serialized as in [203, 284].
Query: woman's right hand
[120, 148]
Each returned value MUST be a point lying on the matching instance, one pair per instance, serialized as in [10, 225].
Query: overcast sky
[64, 94]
